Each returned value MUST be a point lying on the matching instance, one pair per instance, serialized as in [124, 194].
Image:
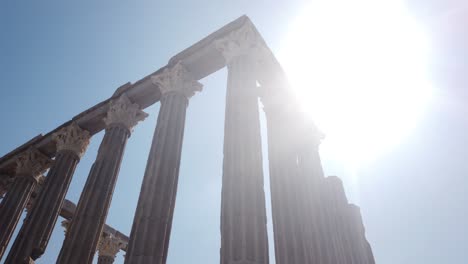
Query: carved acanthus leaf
[123, 111]
[109, 245]
[243, 41]
[177, 79]
[72, 138]
[32, 163]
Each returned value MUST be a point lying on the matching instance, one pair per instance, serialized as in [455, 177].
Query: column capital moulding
[72, 138]
[244, 41]
[109, 245]
[32, 163]
[123, 112]
[177, 79]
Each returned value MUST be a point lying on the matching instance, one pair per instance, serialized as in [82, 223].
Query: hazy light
[359, 68]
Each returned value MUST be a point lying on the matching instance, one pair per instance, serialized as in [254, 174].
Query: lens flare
[360, 70]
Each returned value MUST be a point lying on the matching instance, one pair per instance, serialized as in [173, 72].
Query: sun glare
[359, 69]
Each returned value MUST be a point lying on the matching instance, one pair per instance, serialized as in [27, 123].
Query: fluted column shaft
[361, 249]
[243, 213]
[12, 208]
[337, 205]
[149, 238]
[34, 235]
[287, 201]
[317, 217]
[86, 225]
[30, 165]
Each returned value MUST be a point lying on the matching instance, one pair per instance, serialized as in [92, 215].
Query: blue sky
[58, 59]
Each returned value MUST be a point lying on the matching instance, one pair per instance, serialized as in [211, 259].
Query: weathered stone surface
[288, 211]
[149, 239]
[5, 184]
[86, 225]
[313, 222]
[30, 165]
[243, 213]
[108, 247]
[37, 228]
[67, 212]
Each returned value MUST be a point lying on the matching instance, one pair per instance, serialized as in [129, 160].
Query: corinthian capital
[177, 79]
[72, 138]
[243, 41]
[66, 225]
[122, 111]
[109, 245]
[32, 163]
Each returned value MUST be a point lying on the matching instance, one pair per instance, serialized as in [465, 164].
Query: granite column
[288, 203]
[30, 165]
[318, 230]
[149, 238]
[86, 226]
[243, 213]
[33, 237]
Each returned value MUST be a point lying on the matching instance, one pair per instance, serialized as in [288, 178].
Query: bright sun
[359, 68]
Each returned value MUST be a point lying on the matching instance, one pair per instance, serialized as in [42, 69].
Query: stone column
[34, 235]
[30, 165]
[361, 249]
[288, 203]
[108, 247]
[243, 214]
[81, 239]
[316, 217]
[149, 239]
[337, 204]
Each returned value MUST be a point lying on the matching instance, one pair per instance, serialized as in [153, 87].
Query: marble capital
[123, 111]
[109, 245]
[32, 163]
[66, 225]
[177, 79]
[72, 138]
[243, 41]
